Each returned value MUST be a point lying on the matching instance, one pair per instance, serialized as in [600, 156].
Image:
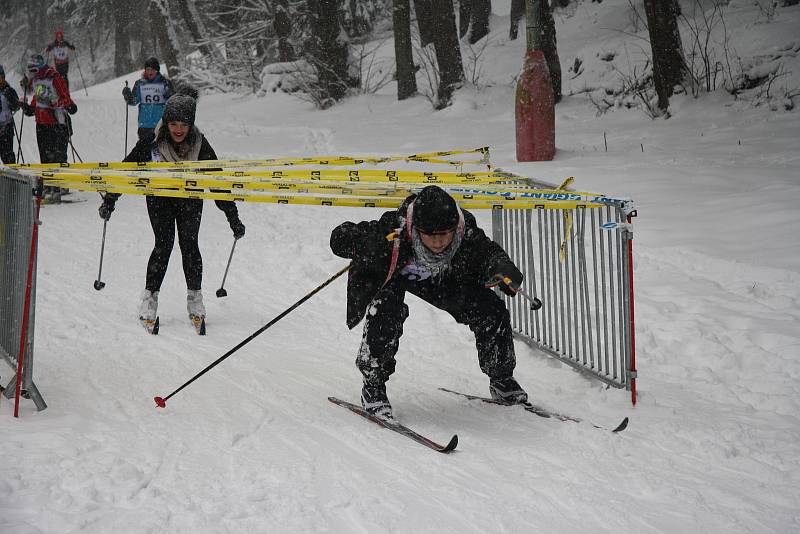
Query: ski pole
[161, 402]
[126, 124]
[78, 62]
[22, 122]
[221, 291]
[98, 285]
[19, 142]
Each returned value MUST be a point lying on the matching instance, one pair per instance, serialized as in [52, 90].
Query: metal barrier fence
[578, 262]
[17, 220]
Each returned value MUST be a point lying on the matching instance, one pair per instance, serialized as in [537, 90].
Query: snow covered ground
[254, 446]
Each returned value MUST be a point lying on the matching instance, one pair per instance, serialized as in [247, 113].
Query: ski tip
[450, 447]
[160, 402]
[622, 426]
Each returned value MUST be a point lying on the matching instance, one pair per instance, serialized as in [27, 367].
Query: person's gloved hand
[72, 109]
[127, 94]
[236, 226]
[506, 277]
[28, 110]
[24, 82]
[107, 208]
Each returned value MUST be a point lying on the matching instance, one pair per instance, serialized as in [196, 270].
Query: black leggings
[470, 304]
[165, 213]
[7, 144]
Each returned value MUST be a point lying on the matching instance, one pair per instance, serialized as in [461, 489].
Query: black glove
[127, 94]
[107, 208]
[28, 110]
[24, 82]
[72, 109]
[506, 277]
[236, 226]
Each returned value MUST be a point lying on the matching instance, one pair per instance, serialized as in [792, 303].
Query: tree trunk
[403, 55]
[464, 17]
[159, 14]
[194, 29]
[282, 25]
[123, 62]
[665, 41]
[478, 21]
[541, 35]
[36, 12]
[448, 51]
[329, 53]
[517, 14]
[424, 12]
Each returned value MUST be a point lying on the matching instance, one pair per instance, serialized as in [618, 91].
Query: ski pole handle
[535, 303]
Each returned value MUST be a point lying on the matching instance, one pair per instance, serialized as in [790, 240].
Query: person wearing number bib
[150, 93]
[50, 104]
[60, 49]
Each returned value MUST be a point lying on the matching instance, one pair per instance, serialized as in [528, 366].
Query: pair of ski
[391, 424]
[152, 326]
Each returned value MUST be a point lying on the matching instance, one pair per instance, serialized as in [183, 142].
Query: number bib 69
[152, 93]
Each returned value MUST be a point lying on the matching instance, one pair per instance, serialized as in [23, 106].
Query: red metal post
[535, 110]
[27, 308]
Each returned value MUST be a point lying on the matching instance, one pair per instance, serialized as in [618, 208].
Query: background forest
[324, 50]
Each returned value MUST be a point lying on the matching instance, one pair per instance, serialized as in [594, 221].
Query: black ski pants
[63, 70]
[53, 140]
[165, 214]
[473, 305]
[7, 144]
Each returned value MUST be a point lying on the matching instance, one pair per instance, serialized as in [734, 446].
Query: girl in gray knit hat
[176, 138]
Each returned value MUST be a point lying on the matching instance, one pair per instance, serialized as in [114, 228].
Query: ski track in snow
[254, 446]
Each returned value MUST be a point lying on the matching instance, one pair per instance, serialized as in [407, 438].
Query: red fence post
[27, 308]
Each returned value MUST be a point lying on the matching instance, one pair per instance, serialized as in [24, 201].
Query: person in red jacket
[51, 104]
[60, 49]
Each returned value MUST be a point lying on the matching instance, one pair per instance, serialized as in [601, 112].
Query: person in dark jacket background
[176, 139]
[433, 249]
[9, 103]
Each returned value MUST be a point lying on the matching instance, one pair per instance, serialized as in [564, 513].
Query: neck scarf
[183, 152]
[429, 260]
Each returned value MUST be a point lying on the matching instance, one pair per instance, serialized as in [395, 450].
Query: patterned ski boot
[197, 310]
[375, 401]
[148, 311]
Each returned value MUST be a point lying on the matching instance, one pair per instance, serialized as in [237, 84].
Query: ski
[397, 427]
[538, 410]
[150, 325]
[199, 324]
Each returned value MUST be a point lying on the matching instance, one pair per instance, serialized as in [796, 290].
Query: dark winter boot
[507, 390]
[375, 401]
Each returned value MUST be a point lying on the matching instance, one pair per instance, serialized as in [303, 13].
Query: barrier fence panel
[17, 219]
[578, 263]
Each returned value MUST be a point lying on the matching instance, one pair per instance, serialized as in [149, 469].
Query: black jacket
[143, 152]
[369, 244]
[13, 102]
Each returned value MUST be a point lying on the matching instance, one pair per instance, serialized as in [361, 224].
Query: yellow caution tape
[430, 157]
[377, 201]
[562, 248]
